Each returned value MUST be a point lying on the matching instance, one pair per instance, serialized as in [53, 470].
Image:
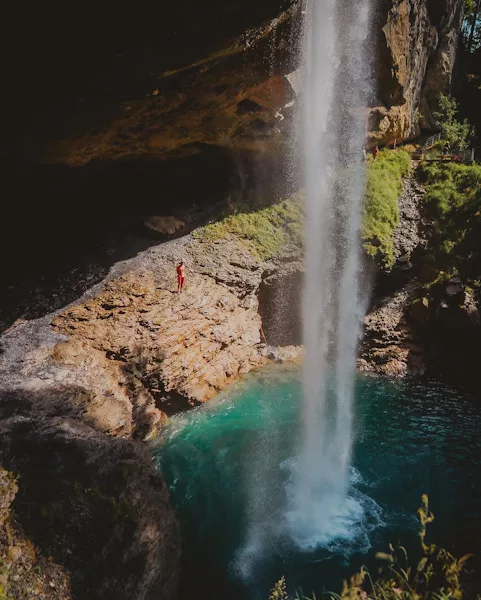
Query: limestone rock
[414, 62]
[8, 491]
[192, 344]
[409, 235]
[226, 86]
[283, 354]
[389, 345]
[133, 350]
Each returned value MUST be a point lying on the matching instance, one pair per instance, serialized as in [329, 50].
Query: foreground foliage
[435, 576]
[381, 209]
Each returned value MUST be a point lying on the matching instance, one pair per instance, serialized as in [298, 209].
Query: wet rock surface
[390, 345]
[283, 354]
[280, 304]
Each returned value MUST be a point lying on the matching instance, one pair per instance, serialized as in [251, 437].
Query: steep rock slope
[416, 50]
[132, 349]
[425, 312]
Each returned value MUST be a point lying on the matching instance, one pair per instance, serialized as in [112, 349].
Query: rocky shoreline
[84, 385]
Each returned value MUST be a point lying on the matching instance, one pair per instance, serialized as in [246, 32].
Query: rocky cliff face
[165, 92]
[80, 383]
[416, 50]
[133, 350]
[425, 314]
[216, 77]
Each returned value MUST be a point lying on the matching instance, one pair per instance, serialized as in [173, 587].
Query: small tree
[472, 24]
[458, 134]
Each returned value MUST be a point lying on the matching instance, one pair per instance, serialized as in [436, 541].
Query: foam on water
[343, 523]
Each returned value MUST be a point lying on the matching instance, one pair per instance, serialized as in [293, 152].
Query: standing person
[180, 276]
[375, 152]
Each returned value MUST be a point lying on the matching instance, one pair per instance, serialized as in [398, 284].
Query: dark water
[228, 466]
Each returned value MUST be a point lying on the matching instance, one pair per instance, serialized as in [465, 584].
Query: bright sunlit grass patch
[381, 209]
[265, 232]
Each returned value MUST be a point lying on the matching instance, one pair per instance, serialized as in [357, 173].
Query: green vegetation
[435, 576]
[453, 197]
[265, 232]
[381, 210]
[459, 134]
[452, 187]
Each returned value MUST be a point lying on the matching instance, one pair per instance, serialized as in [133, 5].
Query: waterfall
[335, 92]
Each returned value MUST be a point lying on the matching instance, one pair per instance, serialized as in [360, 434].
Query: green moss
[265, 232]
[381, 209]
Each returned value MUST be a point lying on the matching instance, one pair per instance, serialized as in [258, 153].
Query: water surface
[229, 466]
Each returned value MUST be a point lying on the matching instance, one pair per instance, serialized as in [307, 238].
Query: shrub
[458, 134]
[452, 187]
[453, 197]
[381, 209]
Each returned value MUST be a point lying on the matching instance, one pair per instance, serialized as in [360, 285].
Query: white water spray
[336, 91]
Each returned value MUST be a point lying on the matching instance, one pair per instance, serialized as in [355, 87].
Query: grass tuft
[265, 232]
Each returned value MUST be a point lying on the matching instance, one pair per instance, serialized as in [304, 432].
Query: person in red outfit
[180, 276]
[375, 151]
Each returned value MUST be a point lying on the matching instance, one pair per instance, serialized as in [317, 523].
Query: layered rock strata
[416, 49]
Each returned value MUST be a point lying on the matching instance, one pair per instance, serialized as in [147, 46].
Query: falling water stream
[275, 477]
[336, 87]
